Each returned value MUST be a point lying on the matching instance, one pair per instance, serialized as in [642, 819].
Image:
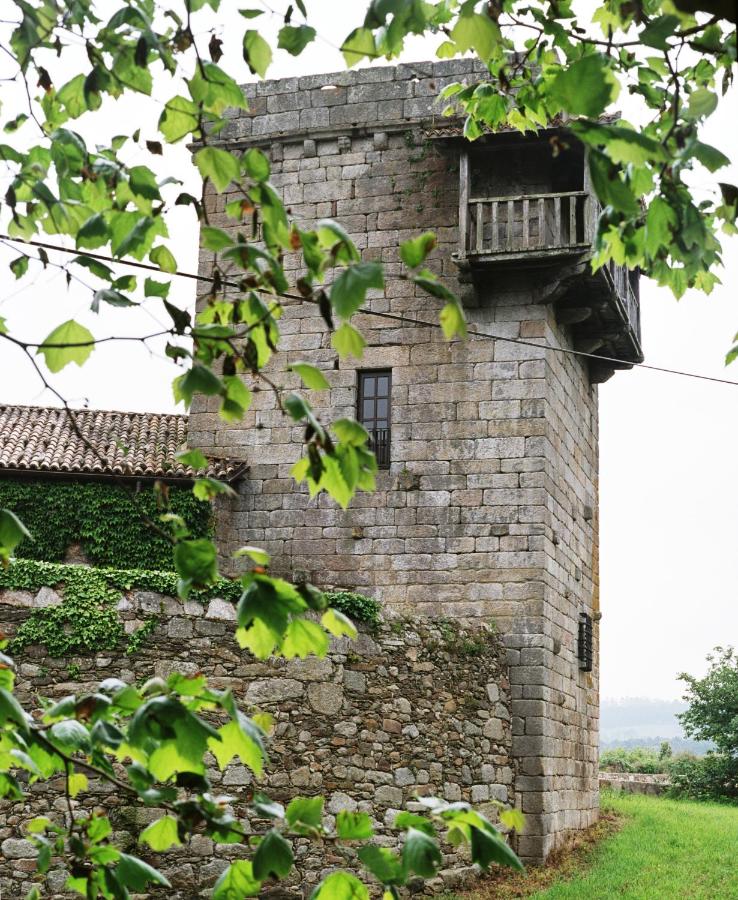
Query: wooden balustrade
[527, 223]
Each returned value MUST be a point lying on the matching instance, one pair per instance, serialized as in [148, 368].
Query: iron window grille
[585, 650]
[374, 399]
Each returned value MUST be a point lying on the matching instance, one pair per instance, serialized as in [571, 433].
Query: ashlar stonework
[487, 510]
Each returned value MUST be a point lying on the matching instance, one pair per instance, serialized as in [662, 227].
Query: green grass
[665, 849]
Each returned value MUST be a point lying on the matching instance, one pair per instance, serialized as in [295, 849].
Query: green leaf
[476, 32]
[350, 432]
[93, 233]
[10, 709]
[163, 257]
[452, 320]
[73, 344]
[407, 820]
[710, 157]
[414, 252]
[294, 39]
[348, 341]
[609, 187]
[489, 846]
[383, 864]
[19, 266]
[513, 818]
[180, 118]
[239, 737]
[195, 459]
[259, 556]
[304, 815]
[349, 289]
[136, 874]
[420, 853]
[256, 52]
[304, 638]
[660, 219]
[238, 881]
[12, 532]
[358, 44]
[353, 826]
[215, 90]
[70, 734]
[208, 489]
[161, 835]
[338, 624]
[198, 380]
[273, 856]
[215, 239]
[153, 288]
[255, 164]
[586, 87]
[77, 782]
[340, 886]
[702, 103]
[220, 166]
[658, 30]
[311, 376]
[196, 561]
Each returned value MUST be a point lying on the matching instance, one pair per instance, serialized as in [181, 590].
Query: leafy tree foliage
[713, 702]
[543, 62]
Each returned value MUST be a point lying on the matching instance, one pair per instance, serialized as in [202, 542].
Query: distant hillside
[643, 722]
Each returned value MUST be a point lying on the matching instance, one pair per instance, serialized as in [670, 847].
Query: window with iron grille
[374, 400]
[585, 649]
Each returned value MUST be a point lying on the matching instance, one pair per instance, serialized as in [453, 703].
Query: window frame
[383, 454]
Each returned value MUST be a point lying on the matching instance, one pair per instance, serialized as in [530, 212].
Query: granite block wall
[410, 708]
[488, 510]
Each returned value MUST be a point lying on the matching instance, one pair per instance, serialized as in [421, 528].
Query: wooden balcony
[532, 226]
[552, 234]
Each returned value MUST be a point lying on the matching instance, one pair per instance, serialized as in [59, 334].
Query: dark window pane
[369, 382]
[367, 411]
[382, 386]
[382, 407]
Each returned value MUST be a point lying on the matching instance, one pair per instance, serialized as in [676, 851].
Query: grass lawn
[663, 849]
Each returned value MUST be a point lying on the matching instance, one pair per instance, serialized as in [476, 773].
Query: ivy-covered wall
[105, 519]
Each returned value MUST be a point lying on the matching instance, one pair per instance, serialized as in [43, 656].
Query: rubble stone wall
[409, 708]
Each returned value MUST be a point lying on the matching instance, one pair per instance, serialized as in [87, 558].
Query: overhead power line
[395, 317]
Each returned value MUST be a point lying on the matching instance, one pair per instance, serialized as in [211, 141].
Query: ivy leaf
[220, 166]
[420, 853]
[74, 343]
[273, 856]
[311, 376]
[340, 886]
[585, 87]
[238, 881]
[353, 826]
[294, 39]
[349, 289]
[256, 52]
[161, 835]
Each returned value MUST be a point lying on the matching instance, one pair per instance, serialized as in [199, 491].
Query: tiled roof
[135, 445]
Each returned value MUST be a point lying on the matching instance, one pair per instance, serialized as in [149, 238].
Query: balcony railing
[379, 442]
[527, 224]
[622, 282]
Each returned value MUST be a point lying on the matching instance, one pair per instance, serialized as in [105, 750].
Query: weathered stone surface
[325, 697]
[47, 597]
[221, 610]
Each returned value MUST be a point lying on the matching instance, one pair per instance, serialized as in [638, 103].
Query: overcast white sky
[669, 485]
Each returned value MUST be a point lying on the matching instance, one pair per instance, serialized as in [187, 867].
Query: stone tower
[487, 493]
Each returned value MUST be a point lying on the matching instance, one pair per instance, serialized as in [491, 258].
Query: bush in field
[639, 759]
[711, 777]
